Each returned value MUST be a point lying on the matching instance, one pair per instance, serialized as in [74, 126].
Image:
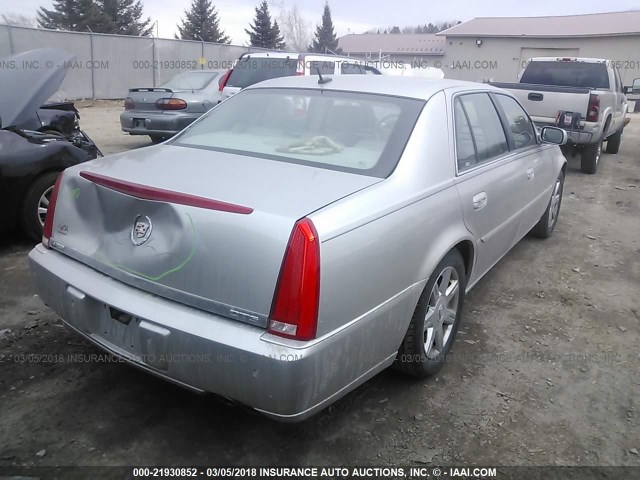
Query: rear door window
[465, 150]
[248, 71]
[488, 135]
[567, 74]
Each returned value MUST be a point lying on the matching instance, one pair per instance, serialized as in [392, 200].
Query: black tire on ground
[411, 358]
[613, 142]
[29, 216]
[591, 157]
[158, 138]
[547, 223]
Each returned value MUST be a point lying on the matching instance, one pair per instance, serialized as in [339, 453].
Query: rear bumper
[205, 352]
[588, 134]
[152, 123]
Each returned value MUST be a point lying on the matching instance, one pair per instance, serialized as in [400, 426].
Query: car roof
[281, 54]
[411, 87]
[570, 59]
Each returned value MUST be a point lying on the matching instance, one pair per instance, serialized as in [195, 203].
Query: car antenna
[322, 80]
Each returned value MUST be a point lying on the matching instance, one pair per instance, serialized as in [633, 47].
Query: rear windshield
[345, 131]
[253, 70]
[190, 81]
[567, 74]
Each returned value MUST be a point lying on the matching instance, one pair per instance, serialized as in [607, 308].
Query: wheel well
[606, 127]
[466, 250]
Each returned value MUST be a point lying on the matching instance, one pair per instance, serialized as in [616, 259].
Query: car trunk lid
[204, 228]
[144, 99]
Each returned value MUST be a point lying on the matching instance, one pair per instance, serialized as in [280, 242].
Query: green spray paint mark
[75, 193]
[155, 278]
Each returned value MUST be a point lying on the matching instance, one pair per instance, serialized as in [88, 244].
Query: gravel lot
[545, 371]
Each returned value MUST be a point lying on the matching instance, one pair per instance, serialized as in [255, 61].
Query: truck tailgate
[543, 102]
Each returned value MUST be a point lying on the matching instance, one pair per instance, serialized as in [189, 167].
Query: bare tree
[294, 27]
[19, 20]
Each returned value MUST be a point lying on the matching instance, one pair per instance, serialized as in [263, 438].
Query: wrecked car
[30, 161]
[59, 118]
[314, 232]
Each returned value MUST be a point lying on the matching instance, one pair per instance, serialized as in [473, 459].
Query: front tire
[547, 223]
[613, 142]
[35, 204]
[591, 157]
[435, 321]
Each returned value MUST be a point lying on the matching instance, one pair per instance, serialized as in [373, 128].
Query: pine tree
[262, 32]
[279, 43]
[125, 17]
[60, 17]
[326, 39]
[74, 15]
[201, 22]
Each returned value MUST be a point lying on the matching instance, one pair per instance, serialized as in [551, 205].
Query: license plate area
[119, 329]
[120, 316]
[568, 120]
[138, 123]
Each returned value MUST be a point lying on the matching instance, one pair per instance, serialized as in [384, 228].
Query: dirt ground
[545, 371]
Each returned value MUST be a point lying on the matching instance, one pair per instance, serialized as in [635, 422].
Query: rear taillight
[171, 104]
[223, 80]
[128, 103]
[593, 112]
[294, 313]
[47, 231]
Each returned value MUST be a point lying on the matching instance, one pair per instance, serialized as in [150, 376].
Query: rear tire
[34, 204]
[435, 321]
[591, 157]
[613, 142]
[547, 223]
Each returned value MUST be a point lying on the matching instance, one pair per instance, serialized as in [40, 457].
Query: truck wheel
[35, 204]
[547, 223]
[435, 321]
[591, 157]
[613, 142]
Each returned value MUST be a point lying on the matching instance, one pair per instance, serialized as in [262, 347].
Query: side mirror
[553, 135]
[633, 89]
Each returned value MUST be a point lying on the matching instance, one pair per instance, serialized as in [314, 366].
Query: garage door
[527, 53]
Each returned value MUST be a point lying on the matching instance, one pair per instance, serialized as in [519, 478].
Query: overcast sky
[352, 16]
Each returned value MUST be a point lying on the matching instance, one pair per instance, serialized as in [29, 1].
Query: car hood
[34, 77]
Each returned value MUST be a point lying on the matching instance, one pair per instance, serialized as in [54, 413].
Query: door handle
[530, 173]
[479, 200]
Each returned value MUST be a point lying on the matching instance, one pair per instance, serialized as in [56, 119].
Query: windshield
[567, 74]
[190, 81]
[253, 70]
[352, 132]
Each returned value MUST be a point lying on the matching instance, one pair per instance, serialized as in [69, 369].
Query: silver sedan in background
[313, 233]
[163, 111]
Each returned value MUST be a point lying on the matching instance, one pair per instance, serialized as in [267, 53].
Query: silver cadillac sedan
[301, 237]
